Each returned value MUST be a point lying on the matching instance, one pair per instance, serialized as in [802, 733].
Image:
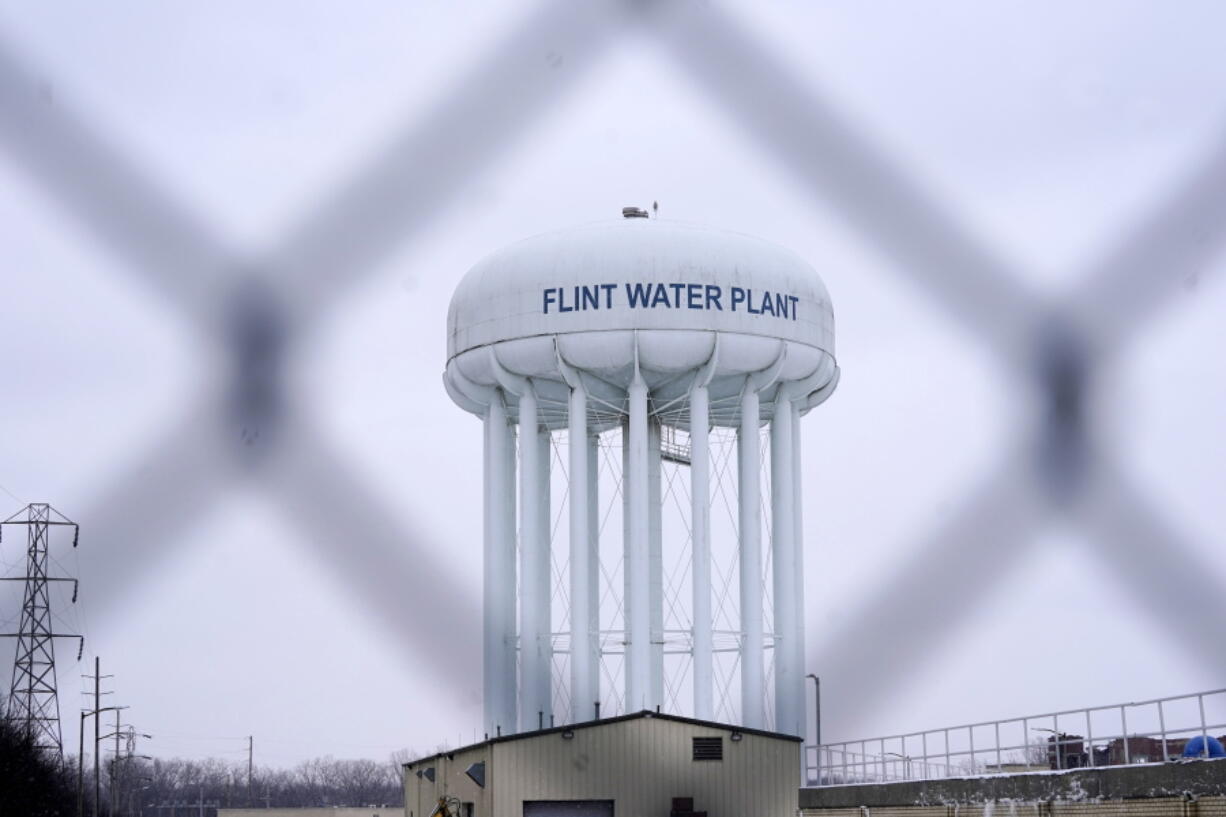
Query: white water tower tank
[643, 332]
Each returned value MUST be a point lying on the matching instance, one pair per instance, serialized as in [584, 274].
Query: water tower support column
[807, 399]
[510, 638]
[593, 567]
[749, 523]
[499, 574]
[655, 502]
[789, 673]
[798, 575]
[535, 656]
[535, 642]
[749, 492]
[700, 527]
[638, 570]
[582, 670]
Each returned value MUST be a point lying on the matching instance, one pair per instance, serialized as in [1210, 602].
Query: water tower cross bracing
[641, 384]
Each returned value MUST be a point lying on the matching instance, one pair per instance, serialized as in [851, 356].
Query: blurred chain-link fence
[254, 313]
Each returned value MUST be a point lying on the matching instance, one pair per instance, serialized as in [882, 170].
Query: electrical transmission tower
[33, 699]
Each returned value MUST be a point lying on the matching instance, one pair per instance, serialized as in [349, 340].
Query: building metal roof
[645, 713]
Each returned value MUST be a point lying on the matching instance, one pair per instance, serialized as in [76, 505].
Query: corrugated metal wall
[640, 764]
[421, 796]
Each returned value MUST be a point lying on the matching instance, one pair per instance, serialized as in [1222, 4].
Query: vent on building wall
[708, 748]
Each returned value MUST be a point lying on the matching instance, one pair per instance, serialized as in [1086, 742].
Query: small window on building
[709, 748]
[466, 809]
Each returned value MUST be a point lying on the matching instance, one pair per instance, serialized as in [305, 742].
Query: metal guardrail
[1149, 731]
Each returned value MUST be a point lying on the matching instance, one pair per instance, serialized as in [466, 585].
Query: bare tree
[318, 782]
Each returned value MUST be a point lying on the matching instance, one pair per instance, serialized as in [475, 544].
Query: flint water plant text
[581, 298]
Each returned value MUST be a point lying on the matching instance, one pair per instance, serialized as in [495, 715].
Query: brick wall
[1152, 789]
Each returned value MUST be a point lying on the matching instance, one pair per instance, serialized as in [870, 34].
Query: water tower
[641, 382]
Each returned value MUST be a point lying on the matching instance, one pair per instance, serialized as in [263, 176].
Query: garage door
[568, 808]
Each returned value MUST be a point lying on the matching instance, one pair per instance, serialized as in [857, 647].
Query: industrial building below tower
[637, 764]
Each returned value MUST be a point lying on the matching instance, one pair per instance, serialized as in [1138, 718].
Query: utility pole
[96, 712]
[98, 693]
[97, 730]
[81, 769]
[115, 768]
[250, 756]
[34, 702]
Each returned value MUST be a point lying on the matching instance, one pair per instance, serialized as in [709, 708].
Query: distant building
[1141, 750]
[641, 763]
[1066, 751]
[1069, 751]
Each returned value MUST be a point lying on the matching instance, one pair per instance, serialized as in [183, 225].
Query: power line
[13, 495]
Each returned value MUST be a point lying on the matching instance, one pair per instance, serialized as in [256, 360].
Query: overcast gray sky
[1047, 131]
